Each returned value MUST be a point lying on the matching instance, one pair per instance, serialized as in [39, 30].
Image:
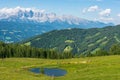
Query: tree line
[114, 50]
[18, 50]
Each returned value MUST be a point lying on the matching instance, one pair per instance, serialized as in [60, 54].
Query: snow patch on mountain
[33, 14]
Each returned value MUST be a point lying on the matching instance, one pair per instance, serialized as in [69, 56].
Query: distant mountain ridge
[80, 41]
[18, 13]
[19, 23]
[36, 15]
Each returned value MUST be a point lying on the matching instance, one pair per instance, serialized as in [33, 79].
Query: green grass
[28, 43]
[95, 50]
[104, 43]
[69, 41]
[100, 40]
[68, 49]
[90, 45]
[116, 38]
[89, 37]
[90, 68]
[38, 38]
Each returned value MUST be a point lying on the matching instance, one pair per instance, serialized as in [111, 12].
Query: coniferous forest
[18, 50]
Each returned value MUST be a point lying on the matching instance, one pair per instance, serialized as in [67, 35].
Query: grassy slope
[96, 68]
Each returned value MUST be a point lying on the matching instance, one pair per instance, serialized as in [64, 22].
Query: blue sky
[101, 10]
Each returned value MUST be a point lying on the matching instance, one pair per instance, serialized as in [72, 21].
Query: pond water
[49, 71]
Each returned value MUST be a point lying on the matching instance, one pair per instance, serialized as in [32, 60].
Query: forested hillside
[81, 41]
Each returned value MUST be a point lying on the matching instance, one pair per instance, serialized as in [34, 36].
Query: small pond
[49, 71]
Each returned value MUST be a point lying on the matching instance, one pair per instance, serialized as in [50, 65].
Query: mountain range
[80, 41]
[18, 23]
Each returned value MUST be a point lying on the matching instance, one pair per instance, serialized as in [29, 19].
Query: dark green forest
[17, 50]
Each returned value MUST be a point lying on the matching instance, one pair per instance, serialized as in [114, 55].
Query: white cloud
[105, 15]
[93, 8]
[106, 19]
[105, 12]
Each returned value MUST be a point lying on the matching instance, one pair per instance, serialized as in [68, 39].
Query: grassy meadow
[89, 68]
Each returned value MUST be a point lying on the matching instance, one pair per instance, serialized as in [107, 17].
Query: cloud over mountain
[105, 12]
[36, 15]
